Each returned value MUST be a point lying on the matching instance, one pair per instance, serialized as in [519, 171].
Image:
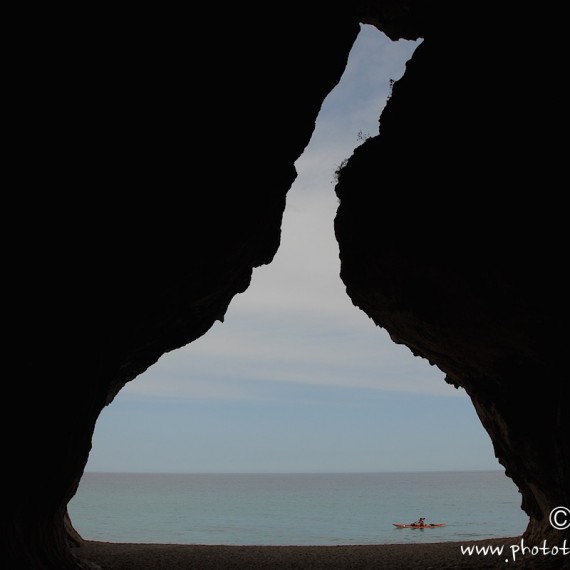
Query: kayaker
[421, 522]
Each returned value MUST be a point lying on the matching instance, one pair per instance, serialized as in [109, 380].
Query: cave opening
[296, 379]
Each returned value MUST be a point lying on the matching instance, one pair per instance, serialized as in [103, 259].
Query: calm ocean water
[301, 509]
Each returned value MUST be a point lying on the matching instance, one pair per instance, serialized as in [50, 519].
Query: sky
[296, 378]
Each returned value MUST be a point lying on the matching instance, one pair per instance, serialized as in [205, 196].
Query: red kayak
[399, 525]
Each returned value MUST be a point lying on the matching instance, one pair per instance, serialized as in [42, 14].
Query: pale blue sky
[297, 379]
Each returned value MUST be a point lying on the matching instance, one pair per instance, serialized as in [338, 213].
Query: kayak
[399, 525]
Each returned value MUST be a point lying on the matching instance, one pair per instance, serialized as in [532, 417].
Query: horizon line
[105, 472]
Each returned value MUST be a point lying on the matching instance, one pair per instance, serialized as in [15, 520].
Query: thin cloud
[236, 362]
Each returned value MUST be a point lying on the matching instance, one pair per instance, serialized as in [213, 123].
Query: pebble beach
[447, 555]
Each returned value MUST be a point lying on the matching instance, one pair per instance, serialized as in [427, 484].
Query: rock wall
[451, 238]
[153, 165]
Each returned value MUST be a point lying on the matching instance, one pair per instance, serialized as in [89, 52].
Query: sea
[296, 508]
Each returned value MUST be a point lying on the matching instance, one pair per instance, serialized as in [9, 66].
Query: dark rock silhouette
[153, 167]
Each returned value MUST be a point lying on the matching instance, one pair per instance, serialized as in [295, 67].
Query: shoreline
[438, 555]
